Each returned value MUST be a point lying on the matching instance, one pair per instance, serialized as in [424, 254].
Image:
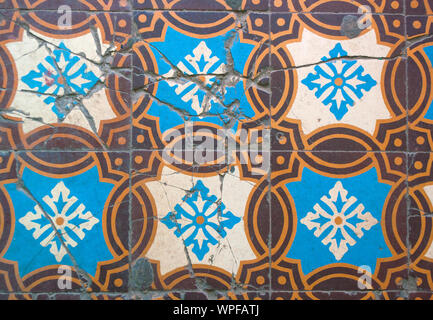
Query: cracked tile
[215, 82]
[66, 80]
[329, 81]
[200, 223]
[63, 206]
[190, 149]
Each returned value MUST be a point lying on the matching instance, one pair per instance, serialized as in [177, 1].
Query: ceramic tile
[418, 26]
[67, 80]
[200, 227]
[214, 82]
[218, 149]
[322, 101]
[334, 233]
[420, 296]
[66, 221]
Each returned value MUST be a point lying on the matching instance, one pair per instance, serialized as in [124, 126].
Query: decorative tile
[60, 79]
[212, 82]
[337, 233]
[60, 209]
[218, 149]
[328, 98]
[204, 219]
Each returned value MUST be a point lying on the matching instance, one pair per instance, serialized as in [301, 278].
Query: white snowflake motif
[64, 211]
[338, 220]
[203, 65]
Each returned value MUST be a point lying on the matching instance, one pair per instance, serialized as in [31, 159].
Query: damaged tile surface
[217, 149]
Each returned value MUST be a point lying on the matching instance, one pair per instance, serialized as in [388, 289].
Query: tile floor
[216, 149]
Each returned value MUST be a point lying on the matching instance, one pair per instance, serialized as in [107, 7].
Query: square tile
[330, 89]
[68, 78]
[216, 81]
[218, 149]
[334, 233]
[200, 227]
[66, 218]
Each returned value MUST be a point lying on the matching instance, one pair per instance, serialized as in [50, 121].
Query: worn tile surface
[217, 149]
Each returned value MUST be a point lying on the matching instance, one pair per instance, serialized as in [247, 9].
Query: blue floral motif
[199, 219]
[339, 87]
[49, 80]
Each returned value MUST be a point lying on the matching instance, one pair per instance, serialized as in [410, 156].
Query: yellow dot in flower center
[281, 160]
[60, 221]
[338, 81]
[121, 140]
[281, 22]
[338, 221]
[140, 138]
[138, 159]
[199, 220]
